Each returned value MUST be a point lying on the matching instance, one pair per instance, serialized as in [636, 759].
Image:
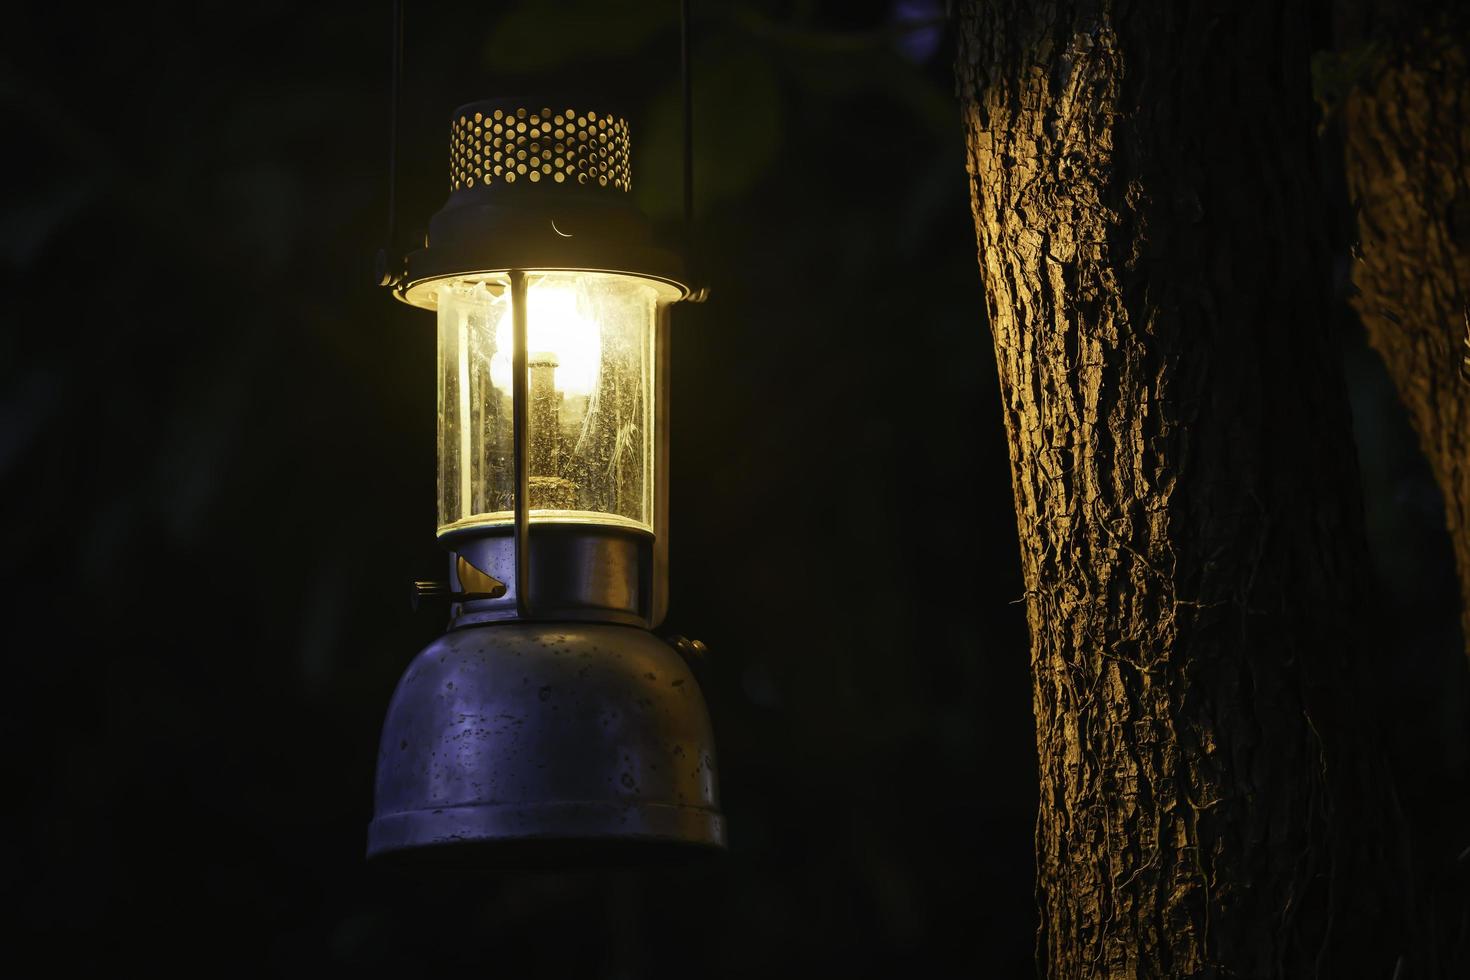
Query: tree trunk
[1407, 164]
[1151, 240]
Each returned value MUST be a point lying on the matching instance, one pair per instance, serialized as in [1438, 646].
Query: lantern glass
[590, 387]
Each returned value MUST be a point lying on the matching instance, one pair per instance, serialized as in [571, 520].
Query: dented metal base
[503, 739]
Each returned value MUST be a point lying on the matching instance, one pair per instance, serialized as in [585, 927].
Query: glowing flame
[553, 326]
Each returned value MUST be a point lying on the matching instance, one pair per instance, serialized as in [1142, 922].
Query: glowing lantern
[541, 720]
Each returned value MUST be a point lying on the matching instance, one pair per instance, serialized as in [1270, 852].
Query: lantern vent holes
[558, 146]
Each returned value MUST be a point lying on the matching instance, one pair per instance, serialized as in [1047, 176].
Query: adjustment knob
[426, 591]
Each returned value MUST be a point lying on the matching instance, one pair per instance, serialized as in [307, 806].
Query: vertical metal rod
[467, 505]
[519, 412]
[658, 606]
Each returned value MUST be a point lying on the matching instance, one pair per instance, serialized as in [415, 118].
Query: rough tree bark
[1152, 246]
[1406, 159]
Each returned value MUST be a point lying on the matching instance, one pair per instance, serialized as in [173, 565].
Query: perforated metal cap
[503, 141]
[537, 184]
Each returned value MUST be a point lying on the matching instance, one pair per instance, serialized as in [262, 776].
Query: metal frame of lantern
[548, 720]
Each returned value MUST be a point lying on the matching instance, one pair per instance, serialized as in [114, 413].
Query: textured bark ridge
[1407, 163]
[1159, 288]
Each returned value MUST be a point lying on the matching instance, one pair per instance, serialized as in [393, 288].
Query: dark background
[216, 448]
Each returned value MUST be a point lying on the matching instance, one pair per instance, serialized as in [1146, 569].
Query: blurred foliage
[1337, 73]
[217, 444]
[739, 124]
[525, 39]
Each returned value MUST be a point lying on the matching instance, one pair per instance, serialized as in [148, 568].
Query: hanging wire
[386, 268]
[686, 81]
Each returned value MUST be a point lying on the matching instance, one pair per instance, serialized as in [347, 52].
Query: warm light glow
[589, 446]
[554, 325]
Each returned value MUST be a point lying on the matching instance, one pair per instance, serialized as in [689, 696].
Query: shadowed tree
[1151, 231]
[1400, 82]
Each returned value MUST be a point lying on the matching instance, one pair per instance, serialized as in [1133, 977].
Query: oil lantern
[549, 717]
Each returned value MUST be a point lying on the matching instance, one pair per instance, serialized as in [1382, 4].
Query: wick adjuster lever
[476, 584]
